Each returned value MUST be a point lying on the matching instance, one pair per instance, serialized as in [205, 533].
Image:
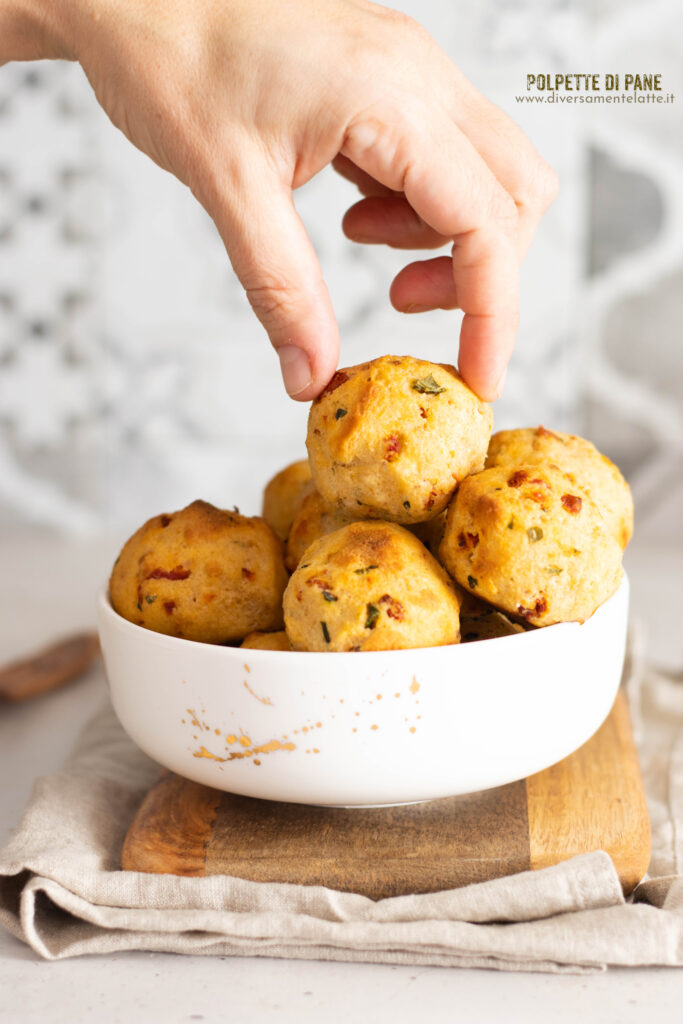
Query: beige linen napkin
[62, 892]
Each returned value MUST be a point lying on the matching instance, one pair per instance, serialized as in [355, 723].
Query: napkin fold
[62, 890]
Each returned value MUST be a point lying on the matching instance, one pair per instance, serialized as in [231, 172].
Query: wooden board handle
[49, 668]
[171, 830]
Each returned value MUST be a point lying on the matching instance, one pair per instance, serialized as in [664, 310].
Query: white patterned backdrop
[134, 377]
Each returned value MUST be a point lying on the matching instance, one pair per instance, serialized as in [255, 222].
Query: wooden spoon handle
[49, 668]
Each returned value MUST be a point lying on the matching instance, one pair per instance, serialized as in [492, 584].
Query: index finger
[420, 152]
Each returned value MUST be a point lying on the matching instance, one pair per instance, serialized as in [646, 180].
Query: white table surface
[48, 588]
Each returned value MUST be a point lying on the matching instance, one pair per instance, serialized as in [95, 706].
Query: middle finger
[390, 220]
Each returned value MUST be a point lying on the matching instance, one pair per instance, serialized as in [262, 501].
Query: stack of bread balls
[407, 526]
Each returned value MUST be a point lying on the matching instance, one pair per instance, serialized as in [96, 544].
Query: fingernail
[501, 383]
[415, 307]
[296, 369]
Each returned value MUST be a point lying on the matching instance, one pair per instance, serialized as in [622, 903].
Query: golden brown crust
[201, 573]
[390, 439]
[528, 541]
[370, 586]
[282, 496]
[314, 518]
[267, 641]
[589, 470]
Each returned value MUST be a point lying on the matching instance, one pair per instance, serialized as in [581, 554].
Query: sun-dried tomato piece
[539, 608]
[392, 447]
[431, 499]
[571, 503]
[248, 574]
[468, 540]
[321, 584]
[394, 608]
[165, 520]
[169, 606]
[517, 478]
[336, 381]
[170, 574]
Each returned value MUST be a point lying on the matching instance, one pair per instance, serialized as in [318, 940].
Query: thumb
[276, 263]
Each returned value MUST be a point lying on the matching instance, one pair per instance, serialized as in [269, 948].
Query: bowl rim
[108, 612]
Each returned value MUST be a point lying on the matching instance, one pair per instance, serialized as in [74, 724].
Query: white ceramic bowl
[368, 728]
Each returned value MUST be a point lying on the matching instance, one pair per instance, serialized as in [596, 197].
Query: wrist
[35, 30]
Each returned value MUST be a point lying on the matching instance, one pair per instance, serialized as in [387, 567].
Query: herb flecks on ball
[370, 586]
[202, 573]
[411, 430]
[513, 538]
[585, 466]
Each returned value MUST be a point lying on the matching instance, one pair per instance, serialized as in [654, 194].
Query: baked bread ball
[391, 439]
[485, 623]
[594, 473]
[370, 586]
[314, 519]
[431, 532]
[201, 573]
[530, 542]
[282, 496]
[267, 641]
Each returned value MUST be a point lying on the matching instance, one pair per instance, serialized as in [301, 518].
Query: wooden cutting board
[593, 800]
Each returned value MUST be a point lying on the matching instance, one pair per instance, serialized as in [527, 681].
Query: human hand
[246, 100]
